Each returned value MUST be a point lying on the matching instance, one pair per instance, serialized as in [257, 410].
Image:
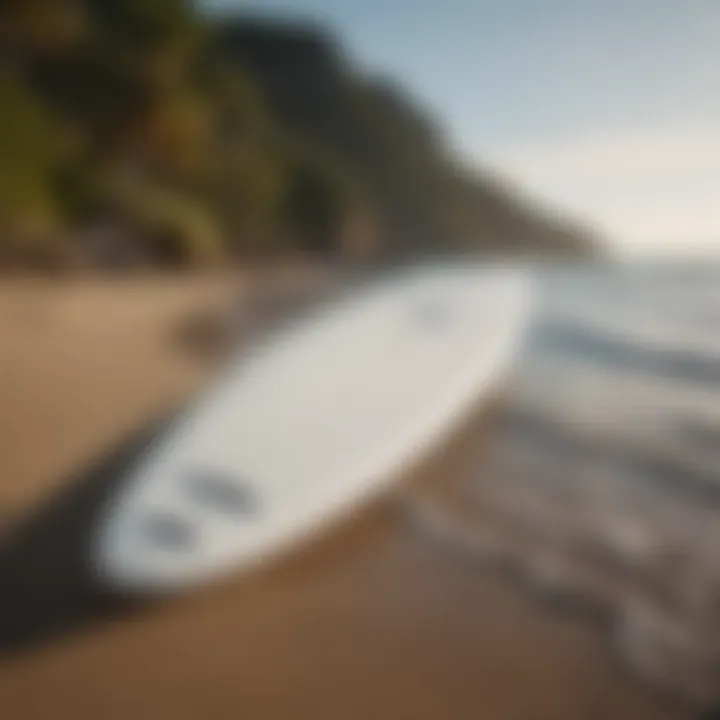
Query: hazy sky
[609, 109]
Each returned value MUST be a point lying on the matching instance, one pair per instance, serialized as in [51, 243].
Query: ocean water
[599, 484]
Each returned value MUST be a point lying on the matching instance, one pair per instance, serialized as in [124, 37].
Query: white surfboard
[317, 419]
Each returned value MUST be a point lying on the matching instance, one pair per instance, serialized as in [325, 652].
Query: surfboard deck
[311, 423]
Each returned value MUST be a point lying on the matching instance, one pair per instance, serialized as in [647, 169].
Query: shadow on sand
[46, 580]
[47, 587]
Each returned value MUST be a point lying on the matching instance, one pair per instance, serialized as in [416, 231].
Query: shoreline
[370, 616]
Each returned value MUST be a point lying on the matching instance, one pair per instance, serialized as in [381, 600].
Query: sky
[608, 110]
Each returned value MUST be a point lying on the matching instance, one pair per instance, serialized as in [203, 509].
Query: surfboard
[314, 421]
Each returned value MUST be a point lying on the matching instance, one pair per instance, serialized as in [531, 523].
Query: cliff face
[394, 147]
[207, 137]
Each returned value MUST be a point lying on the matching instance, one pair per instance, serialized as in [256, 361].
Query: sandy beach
[371, 621]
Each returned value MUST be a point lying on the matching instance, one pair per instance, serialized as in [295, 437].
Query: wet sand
[370, 621]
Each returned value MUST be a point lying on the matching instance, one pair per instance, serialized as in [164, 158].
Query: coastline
[370, 621]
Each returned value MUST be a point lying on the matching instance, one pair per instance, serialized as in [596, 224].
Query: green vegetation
[202, 138]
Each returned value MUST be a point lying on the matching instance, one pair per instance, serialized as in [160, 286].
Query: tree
[31, 152]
